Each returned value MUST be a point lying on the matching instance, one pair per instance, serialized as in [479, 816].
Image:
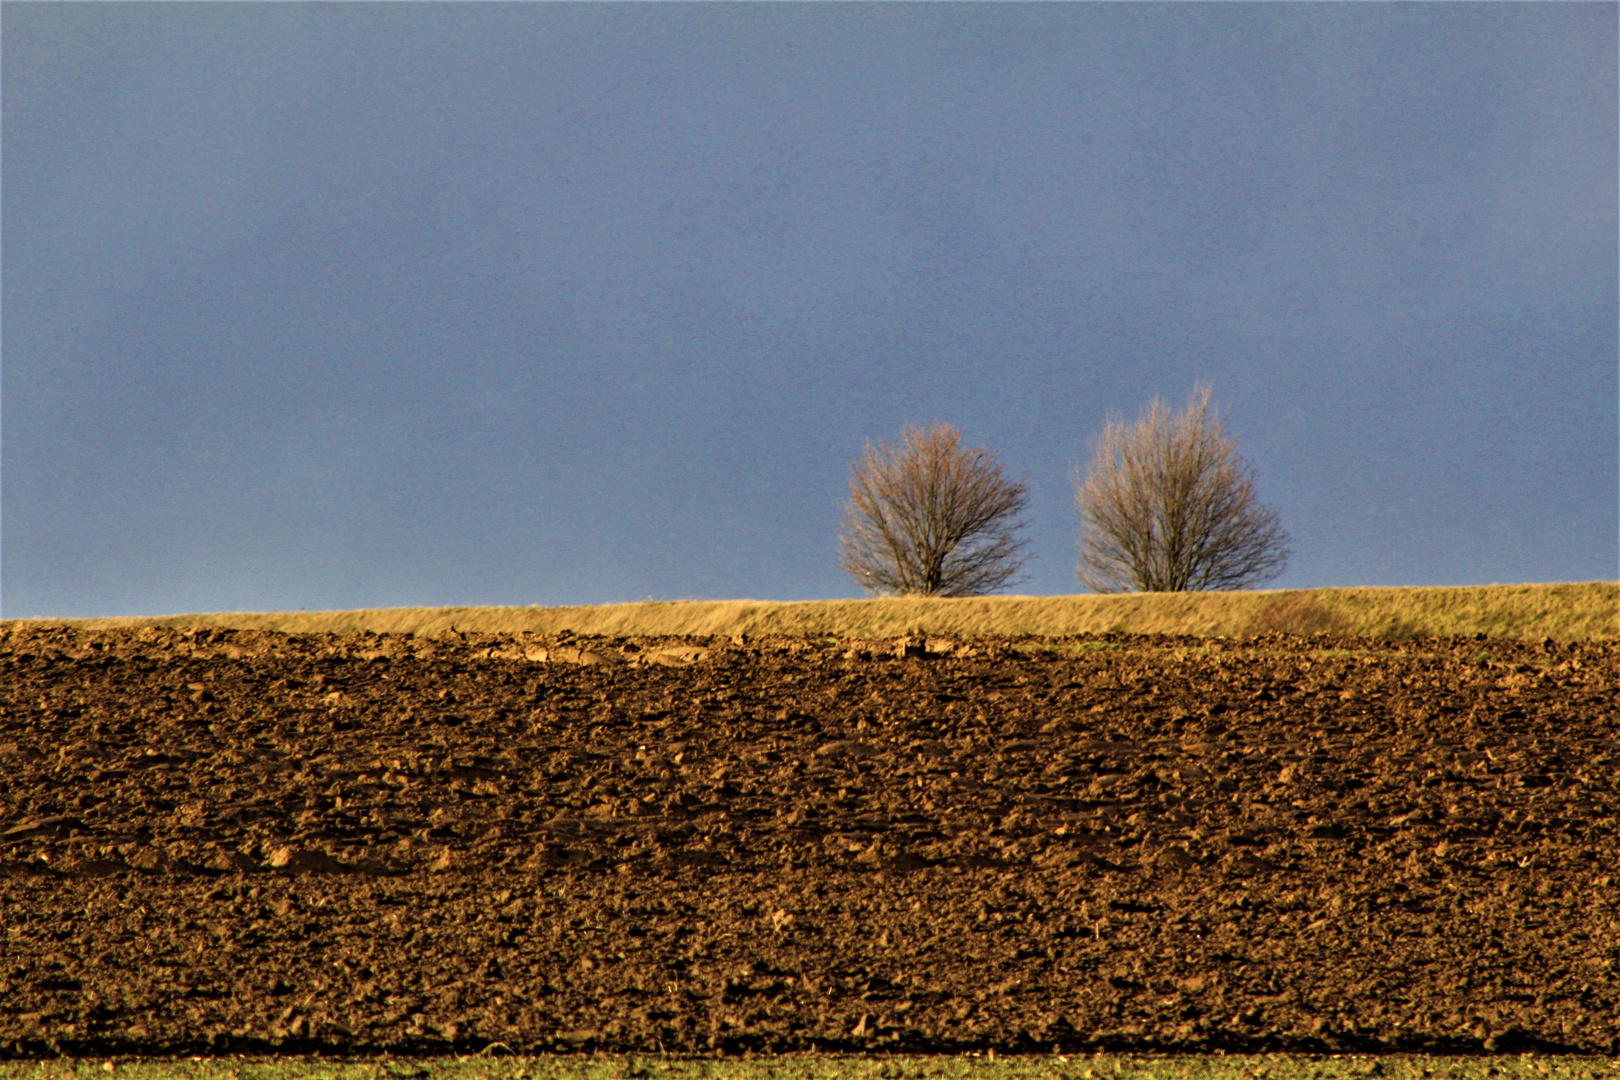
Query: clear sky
[355, 305]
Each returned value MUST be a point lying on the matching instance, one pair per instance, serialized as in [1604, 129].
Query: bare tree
[931, 517]
[1168, 506]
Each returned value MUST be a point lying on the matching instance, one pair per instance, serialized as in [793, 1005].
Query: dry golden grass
[1565, 612]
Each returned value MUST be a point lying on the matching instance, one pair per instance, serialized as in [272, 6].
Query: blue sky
[354, 305]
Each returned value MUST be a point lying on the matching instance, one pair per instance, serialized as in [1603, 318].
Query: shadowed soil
[248, 841]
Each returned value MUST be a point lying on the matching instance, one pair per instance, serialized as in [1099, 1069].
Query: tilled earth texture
[216, 841]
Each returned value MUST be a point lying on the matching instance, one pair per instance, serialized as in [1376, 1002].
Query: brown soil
[244, 841]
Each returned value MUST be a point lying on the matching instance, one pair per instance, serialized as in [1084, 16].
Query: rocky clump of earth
[221, 841]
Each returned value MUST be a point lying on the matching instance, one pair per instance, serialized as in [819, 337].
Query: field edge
[1573, 611]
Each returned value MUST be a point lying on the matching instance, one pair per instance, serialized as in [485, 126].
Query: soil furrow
[234, 840]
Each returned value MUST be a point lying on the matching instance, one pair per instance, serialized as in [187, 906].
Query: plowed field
[233, 841]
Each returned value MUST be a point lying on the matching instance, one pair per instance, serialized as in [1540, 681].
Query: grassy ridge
[1564, 612]
[1033, 1067]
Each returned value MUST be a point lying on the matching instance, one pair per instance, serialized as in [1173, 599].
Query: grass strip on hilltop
[1564, 612]
[605, 1067]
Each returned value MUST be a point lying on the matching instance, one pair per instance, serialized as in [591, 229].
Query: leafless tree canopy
[1168, 506]
[931, 517]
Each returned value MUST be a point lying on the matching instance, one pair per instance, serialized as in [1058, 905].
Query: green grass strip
[976, 1067]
